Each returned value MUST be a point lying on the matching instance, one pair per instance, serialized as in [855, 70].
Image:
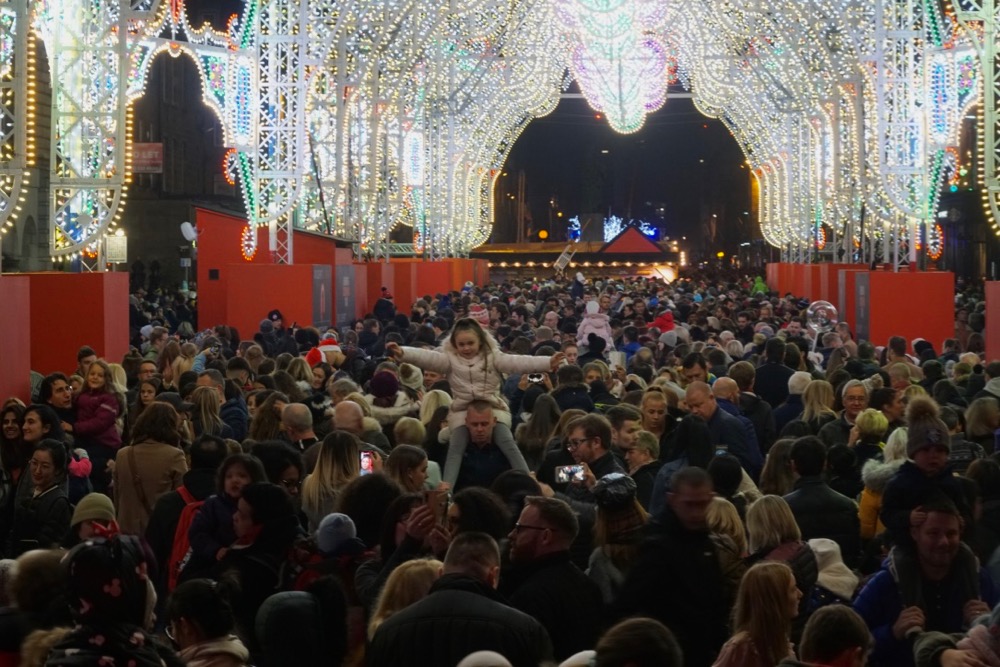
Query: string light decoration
[356, 117]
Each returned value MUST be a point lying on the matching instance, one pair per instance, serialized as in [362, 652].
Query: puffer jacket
[875, 476]
[595, 323]
[477, 378]
[221, 652]
[96, 413]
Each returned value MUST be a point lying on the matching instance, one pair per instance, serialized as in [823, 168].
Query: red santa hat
[478, 312]
[317, 355]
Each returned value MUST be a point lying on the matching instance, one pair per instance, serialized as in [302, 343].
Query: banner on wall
[322, 298]
[345, 301]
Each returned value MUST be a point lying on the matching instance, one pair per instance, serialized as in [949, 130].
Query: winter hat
[93, 507]
[478, 312]
[580, 278]
[266, 326]
[317, 355]
[411, 376]
[669, 338]
[275, 315]
[334, 531]
[146, 331]
[385, 293]
[834, 576]
[924, 426]
[614, 491]
[593, 307]
[383, 385]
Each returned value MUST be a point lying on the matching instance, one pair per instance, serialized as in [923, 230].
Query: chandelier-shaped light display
[618, 56]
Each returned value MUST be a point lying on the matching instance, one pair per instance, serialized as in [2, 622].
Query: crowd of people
[599, 472]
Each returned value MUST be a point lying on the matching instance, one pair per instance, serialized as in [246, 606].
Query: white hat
[484, 659]
[834, 576]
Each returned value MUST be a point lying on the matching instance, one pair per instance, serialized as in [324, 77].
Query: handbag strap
[137, 481]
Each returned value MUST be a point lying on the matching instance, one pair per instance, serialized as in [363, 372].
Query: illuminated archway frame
[450, 83]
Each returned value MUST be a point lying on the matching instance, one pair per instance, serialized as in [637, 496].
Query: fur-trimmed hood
[876, 474]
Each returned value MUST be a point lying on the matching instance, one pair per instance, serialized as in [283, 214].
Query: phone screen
[367, 463]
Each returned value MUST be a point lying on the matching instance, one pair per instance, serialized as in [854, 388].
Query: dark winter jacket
[573, 396]
[822, 512]
[676, 579]
[40, 522]
[460, 615]
[910, 487]
[771, 382]
[163, 521]
[802, 561]
[234, 413]
[760, 414]
[789, 410]
[736, 432]
[211, 530]
[836, 432]
[545, 589]
[645, 479]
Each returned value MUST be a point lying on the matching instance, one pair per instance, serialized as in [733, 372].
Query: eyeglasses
[573, 444]
[854, 399]
[518, 527]
[41, 465]
[291, 483]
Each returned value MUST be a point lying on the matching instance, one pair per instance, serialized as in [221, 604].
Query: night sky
[680, 161]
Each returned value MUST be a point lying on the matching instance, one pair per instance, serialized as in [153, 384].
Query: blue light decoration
[574, 230]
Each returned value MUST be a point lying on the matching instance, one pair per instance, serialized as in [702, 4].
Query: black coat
[167, 511]
[548, 587]
[40, 522]
[771, 382]
[676, 579]
[573, 396]
[791, 409]
[460, 615]
[910, 488]
[822, 512]
[759, 412]
[644, 479]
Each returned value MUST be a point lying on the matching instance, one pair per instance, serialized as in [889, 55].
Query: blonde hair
[982, 417]
[817, 400]
[206, 408]
[299, 369]
[770, 523]
[872, 422]
[723, 518]
[433, 400]
[118, 378]
[409, 431]
[895, 446]
[913, 391]
[762, 609]
[338, 463]
[408, 583]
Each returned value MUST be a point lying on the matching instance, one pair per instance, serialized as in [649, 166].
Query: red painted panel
[992, 332]
[15, 355]
[912, 305]
[97, 306]
[255, 289]
[631, 241]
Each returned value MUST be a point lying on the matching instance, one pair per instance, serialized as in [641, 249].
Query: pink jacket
[96, 413]
[597, 323]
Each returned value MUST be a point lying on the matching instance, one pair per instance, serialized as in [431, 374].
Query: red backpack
[181, 551]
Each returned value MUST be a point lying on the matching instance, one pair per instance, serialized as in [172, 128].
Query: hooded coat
[595, 323]
[875, 475]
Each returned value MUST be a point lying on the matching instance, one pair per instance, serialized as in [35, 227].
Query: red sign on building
[147, 158]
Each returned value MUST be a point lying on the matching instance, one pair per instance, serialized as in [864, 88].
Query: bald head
[347, 416]
[726, 388]
[700, 400]
[297, 420]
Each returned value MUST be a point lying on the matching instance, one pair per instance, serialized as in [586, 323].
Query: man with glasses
[543, 582]
[855, 398]
[589, 443]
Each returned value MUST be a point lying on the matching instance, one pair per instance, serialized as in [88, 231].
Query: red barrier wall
[15, 354]
[75, 309]
[912, 305]
[771, 275]
[285, 287]
[845, 307]
[992, 331]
